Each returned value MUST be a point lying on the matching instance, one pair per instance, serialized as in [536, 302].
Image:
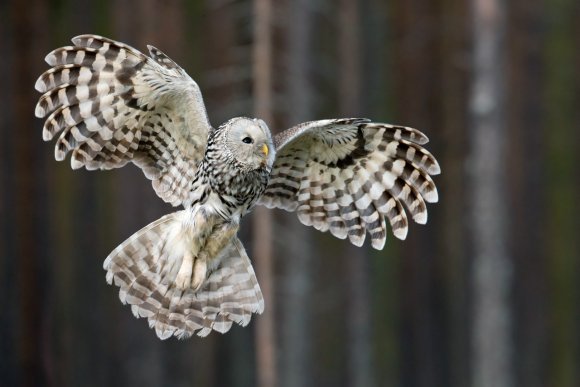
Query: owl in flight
[188, 272]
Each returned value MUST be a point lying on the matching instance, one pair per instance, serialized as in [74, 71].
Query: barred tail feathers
[145, 266]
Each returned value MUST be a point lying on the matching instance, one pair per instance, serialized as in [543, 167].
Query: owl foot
[183, 279]
[199, 272]
[192, 272]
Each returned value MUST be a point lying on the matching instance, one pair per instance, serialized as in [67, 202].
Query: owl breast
[226, 189]
[238, 192]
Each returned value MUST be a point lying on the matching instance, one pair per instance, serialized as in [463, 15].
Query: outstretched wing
[348, 175]
[112, 104]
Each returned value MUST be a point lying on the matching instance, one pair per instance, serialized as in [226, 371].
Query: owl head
[250, 143]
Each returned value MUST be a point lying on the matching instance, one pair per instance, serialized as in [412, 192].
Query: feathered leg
[145, 267]
[219, 238]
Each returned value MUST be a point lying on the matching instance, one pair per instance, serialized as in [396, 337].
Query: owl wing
[112, 104]
[348, 175]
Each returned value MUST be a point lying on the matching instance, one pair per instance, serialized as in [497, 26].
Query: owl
[109, 104]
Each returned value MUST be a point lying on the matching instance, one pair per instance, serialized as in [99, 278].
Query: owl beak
[265, 150]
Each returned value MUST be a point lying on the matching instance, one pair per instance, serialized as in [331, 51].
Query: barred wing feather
[347, 176]
[112, 104]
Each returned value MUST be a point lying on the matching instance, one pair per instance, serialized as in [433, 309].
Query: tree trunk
[562, 139]
[447, 219]
[9, 369]
[527, 190]
[492, 337]
[358, 297]
[295, 251]
[29, 200]
[262, 218]
[418, 99]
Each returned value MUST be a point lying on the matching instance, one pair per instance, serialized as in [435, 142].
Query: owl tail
[144, 268]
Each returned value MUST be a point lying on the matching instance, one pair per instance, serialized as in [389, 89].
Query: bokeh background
[486, 294]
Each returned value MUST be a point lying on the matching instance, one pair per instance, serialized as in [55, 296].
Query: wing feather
[110, 104]
[349, 176]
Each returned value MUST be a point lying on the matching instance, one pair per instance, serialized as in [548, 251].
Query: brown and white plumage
[112, 104]
[347, 175]
[138, 266]
[187, 272]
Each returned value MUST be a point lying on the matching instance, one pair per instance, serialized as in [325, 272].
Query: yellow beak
[265, 150]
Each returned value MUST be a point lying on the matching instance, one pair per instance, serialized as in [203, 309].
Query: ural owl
[188, 272]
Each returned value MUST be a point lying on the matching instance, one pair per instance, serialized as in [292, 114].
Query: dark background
[486, 294]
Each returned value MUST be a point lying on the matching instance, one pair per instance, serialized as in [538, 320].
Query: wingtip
[79, 39]
[432, 196]
[50, 58]
[76, 40]
[421, 217]
[39, 111]
[58, 153]
[357, 240]
[422, 138]
[434, 169]
[40, 85]
[75, 163]
[401, 233]
[378, 244]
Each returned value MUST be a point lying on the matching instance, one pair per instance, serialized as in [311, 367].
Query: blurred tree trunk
[562, 141]
[63, 250]
[28, 24]
[358, 298]
[295, 251]
[84, 203]
[8, 291]
[376, 94]
[448, 218]
[266, 356]
[418, 100]
[219, 28]
[492, 319]
[526, 183]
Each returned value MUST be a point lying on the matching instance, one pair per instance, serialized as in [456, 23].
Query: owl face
[250, 142]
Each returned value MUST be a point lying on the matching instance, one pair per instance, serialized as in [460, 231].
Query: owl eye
[247, 140]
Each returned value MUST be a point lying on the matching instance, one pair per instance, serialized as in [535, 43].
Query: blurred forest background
[486, 294]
